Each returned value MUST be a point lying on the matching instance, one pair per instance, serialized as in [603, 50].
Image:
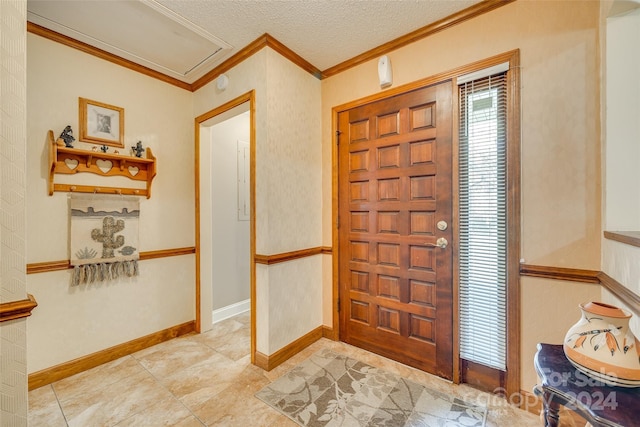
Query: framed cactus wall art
[104, 238]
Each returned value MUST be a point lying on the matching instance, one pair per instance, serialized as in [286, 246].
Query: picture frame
[101, 123]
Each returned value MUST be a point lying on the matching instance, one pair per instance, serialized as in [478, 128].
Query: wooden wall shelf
[68, 161]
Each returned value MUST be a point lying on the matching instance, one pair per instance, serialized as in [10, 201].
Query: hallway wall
[231, 251]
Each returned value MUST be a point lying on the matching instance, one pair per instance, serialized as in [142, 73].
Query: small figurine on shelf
[104, 148]
[116, 152]
[94, 148]
[67, 137]
[137, 149]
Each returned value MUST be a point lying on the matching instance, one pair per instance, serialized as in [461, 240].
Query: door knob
[442, 242]
[442, 225]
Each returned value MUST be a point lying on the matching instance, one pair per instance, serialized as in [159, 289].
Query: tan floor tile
[223, 335]
[173, 356]
[201, 401]
[204, 380]
[236, 348]
[236, 405]
[429, 380]
[168, 412]
[244, 318]
[505, 415]
[289, 364]
[164, 345]
[114, 403]
[225, 327]
[44, 409]
[283, 422]
[259, 416]
[190, 422]
[98, 377]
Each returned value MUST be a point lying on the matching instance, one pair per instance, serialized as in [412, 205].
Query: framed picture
[101, 123]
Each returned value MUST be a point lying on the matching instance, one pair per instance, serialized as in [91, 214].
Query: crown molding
[103, 54]
[451, 20]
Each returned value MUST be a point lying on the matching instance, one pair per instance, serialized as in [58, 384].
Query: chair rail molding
[17, 309]
[624, 294]
[65, 264]
[289, 256]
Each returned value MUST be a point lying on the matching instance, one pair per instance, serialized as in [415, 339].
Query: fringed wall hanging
[104, 238]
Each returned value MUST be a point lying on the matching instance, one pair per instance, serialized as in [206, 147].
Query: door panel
[394, 185]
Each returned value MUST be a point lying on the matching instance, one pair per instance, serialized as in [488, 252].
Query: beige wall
[13, 99]
[292, 165]
[621, 108]
[75, 321]
[560, 142]
[288, 191]
[622, 101]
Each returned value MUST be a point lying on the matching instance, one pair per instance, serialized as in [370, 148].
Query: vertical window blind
[483, 220]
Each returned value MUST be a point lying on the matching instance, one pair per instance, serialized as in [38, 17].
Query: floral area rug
[330, 389]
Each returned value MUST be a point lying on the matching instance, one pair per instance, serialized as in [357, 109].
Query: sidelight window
[483, 220]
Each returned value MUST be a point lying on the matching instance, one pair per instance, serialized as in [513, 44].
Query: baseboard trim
[81, 364]
[269, 362]
[231, 310]
[329, 333]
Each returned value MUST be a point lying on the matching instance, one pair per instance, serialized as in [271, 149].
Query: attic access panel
[142, 31]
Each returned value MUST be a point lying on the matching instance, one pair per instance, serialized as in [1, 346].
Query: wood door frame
[250, 98]
[513, 174]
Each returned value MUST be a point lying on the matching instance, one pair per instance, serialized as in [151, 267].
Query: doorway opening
[225, 226]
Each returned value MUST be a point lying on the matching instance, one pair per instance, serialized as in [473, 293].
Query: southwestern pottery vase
[602, 346]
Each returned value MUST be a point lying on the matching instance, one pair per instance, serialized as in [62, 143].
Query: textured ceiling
[323, 32]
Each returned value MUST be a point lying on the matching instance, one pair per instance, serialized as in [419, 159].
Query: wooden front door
[394, 189]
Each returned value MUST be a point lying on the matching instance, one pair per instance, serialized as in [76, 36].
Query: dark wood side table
[596, 402]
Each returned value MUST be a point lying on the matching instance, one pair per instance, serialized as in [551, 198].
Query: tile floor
[207, 380]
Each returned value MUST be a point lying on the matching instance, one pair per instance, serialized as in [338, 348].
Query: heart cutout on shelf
[133, 170]
[71, 163]
[104, 165]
